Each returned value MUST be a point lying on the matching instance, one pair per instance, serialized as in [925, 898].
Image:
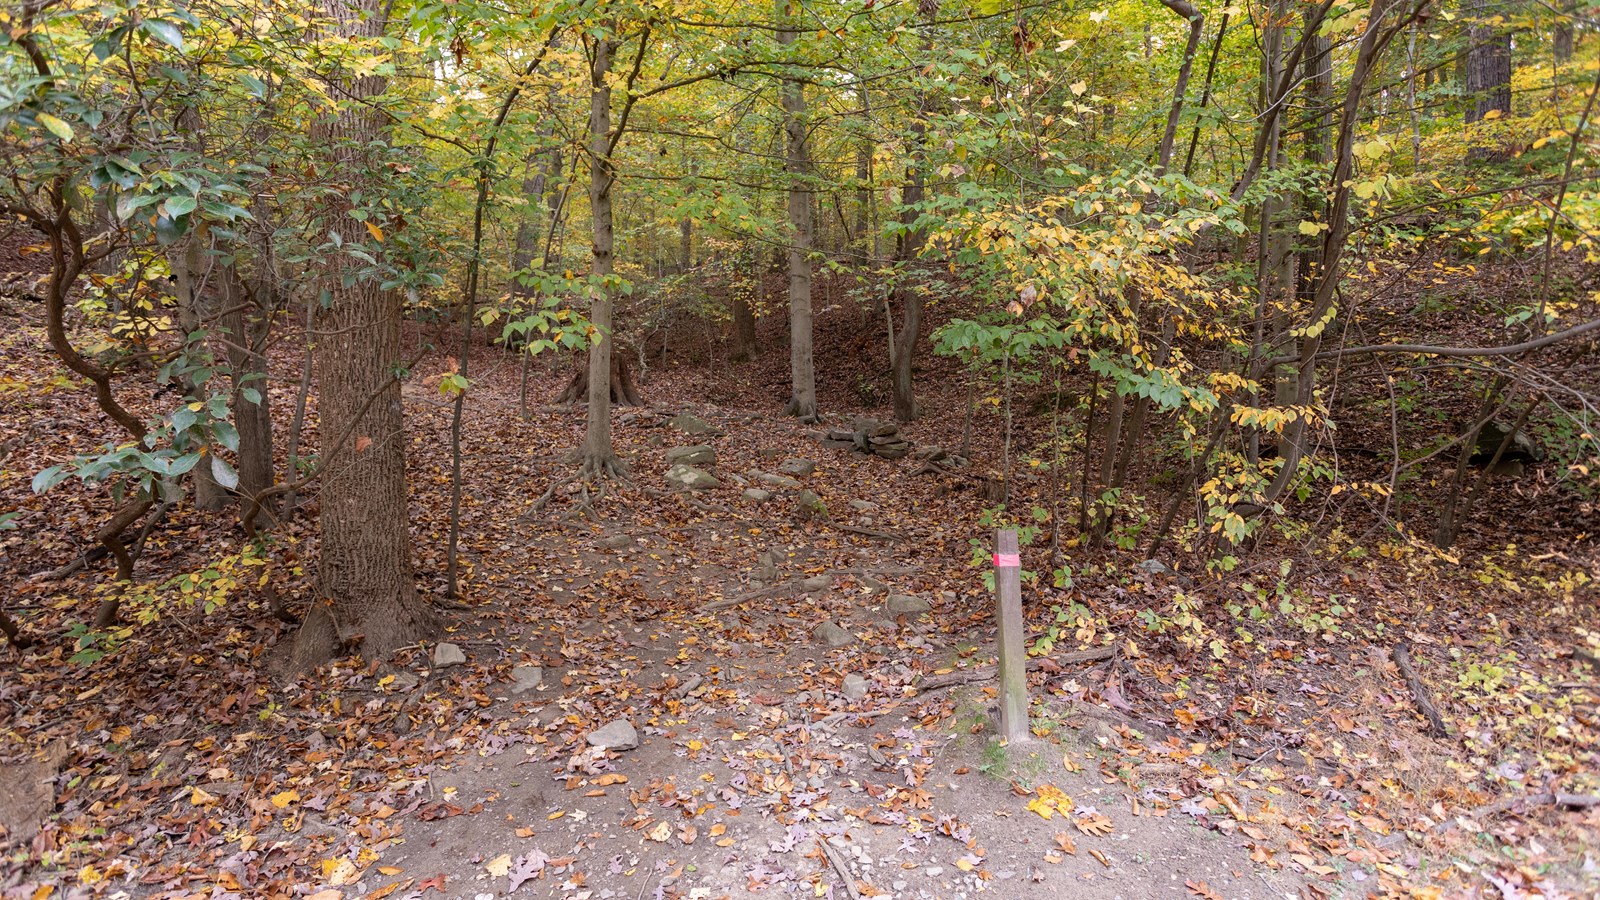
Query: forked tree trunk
[366, 596]
[802, 367]
[595, 454]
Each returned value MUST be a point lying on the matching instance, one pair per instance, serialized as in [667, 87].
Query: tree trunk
[744, 326]
[864, 152]
[623, 390]
[802, 370]
[686, 233]
[191, 277]
[366, 594]
[1368, 51]
[252, 414]
[596, 455]
[1488, 63]
[1191, 49]
[1562, 39]
[903, 349]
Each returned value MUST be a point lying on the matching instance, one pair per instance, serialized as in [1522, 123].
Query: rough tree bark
[1488, 63]
[366, 595]
[802, 368]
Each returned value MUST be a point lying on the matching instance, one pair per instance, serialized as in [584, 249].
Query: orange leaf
[1201, 889]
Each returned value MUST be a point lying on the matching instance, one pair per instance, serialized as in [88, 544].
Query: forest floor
[767, 761]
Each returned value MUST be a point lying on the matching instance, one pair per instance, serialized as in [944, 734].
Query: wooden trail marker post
[1013, 653]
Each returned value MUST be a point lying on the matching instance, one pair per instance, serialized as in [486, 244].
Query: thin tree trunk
[252, 398]
[1369, 48]
[802, 368]
[366, 594]
[1197, 24]
[1205, 92]
[596, 454]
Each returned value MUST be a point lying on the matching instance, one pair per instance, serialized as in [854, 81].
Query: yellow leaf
[200, 798]
[1078, 87]
[499, 866]
[377, 233]
[1050, 800]
[390, 870]
[282, 799]
[660, 833]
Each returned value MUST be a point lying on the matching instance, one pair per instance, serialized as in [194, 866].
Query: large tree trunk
[595, 454]
[802, 367]
[366, 595]
[1488, 63]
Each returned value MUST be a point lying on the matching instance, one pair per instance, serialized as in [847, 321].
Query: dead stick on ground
[1419, 691]
[782, 587]
[838, 866]
[986, 673]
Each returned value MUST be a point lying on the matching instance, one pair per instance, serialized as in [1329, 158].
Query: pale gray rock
[616, 735]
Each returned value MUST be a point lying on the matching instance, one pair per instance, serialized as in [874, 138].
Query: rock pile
[872, 436]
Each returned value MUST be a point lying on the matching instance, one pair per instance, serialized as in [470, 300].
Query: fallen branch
[839, 867]
[989, 673]
[773, 590]
[1419, 691]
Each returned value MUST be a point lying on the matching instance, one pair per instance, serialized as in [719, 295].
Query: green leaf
[255, 85]
[224, 473]
[55, 126]
[183, 419]
[178, 206]
[165, 32]
[49, 478]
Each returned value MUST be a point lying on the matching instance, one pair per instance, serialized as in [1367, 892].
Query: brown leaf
[1201, 889]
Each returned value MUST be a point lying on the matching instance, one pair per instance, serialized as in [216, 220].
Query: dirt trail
[755, 774]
